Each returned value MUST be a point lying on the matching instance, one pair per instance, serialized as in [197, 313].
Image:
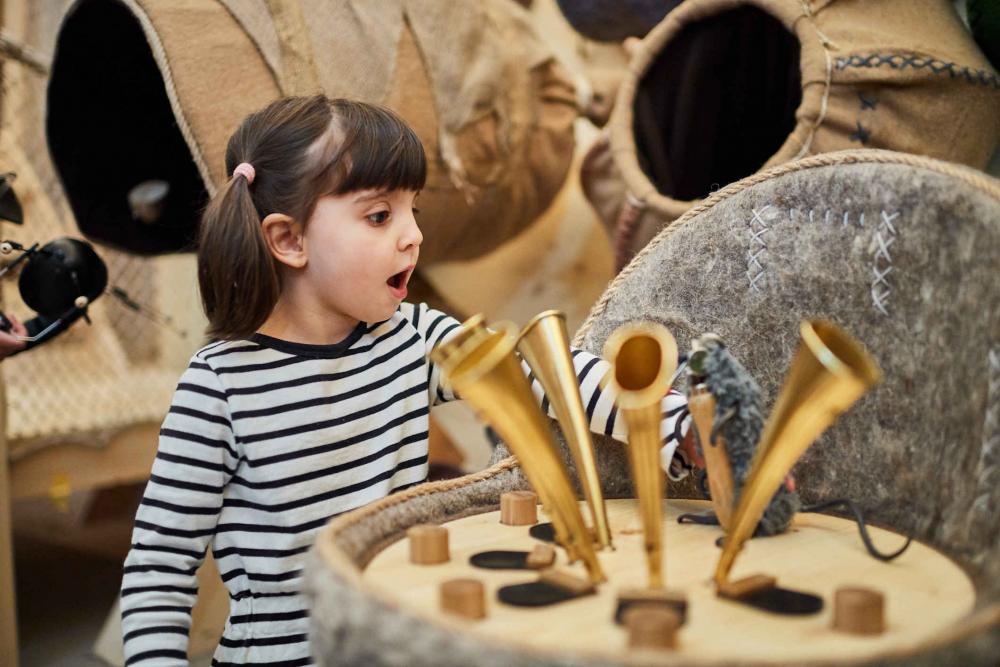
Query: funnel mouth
[480, 356]
[537, 319]
[838, 352]
[643, 358]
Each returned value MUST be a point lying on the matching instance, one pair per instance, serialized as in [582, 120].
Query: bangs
[377, 151]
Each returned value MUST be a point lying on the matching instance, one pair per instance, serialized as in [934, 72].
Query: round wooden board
[925, 592]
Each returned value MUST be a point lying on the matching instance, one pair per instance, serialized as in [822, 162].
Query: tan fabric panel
[929, 91]
[482, 90]
[209, 102]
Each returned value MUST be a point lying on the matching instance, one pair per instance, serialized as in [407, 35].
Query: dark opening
[110, 127]
[717, 102]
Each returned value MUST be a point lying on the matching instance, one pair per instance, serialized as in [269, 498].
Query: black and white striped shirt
[265, 441]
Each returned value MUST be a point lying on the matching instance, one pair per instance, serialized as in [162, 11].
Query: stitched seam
[757, 249]
[881, 288]
[902, 61]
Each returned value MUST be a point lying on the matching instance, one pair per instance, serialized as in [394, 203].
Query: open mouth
[398, 280]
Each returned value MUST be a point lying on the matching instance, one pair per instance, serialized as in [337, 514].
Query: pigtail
[236, 273]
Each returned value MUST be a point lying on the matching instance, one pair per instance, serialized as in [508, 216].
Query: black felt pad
[500, 560]
[545, 532]
[534, 594]
[783, 601]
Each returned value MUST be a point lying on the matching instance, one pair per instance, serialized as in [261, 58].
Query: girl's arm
[433, 326]
[599, 404]
[591, 371]
[176, 520]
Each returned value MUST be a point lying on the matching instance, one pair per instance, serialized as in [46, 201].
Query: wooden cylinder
[652, 627]
[464, 597]
[541, 557]
[859, 611]
[518, 508]
[428, 544]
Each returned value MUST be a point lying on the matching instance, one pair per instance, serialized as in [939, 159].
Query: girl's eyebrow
[370, 196]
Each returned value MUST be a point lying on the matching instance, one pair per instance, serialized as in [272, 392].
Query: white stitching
[885, 236]
[755, 255]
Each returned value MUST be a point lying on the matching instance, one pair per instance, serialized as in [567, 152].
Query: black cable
[862, 528]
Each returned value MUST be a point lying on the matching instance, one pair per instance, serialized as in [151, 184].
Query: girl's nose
[411, 236]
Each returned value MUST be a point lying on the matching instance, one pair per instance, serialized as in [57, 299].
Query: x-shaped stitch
[880, 299]
[887, 220]
[882, 252]
[880, 276]
[756, 216]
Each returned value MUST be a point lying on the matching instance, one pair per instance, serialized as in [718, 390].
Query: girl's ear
[285, 239]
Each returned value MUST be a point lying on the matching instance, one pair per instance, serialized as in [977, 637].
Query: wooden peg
[735, 590]
[428, 544]
[464, 597]
[651, 597]
[859, 611]
[541, 557]
[518, 508]
[652, 627]
[568, 582]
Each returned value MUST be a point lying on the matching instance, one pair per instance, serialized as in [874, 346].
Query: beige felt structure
[903, 75]
[82, 412]
[491, 105]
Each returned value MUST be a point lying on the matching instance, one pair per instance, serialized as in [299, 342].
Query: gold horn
[644, 357]
[544, 344]
[486, 372]
[830, 371]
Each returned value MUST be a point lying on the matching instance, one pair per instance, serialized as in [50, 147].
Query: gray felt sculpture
[900, 251]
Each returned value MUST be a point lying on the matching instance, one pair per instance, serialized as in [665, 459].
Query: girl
[314, 400]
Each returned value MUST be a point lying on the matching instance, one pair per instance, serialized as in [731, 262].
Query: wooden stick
[720, 473]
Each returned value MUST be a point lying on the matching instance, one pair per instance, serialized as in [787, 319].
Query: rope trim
[354, 517]
[827, 44]
[979, 180]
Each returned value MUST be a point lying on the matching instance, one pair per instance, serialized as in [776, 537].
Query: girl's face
[362, 248]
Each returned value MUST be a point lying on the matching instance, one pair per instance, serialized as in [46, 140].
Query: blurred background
[112, 128]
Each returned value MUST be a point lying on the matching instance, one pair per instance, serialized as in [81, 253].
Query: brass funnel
[487, 373]
[644, 357]
[544, 344]
[472, 329]
[830, 371]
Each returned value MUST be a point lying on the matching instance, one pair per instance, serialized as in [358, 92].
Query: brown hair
[301, 149]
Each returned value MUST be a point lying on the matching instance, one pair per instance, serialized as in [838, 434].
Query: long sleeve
[434, 327]
[176, 520]
[599, 402]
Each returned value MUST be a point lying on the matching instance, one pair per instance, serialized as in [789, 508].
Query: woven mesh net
[92, 381]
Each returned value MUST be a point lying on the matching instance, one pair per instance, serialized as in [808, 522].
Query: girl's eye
[416, 211]
[378, 217]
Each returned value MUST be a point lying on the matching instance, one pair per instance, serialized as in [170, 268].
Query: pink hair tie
[246, 170]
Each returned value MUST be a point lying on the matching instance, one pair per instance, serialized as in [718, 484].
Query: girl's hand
[690, 450]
